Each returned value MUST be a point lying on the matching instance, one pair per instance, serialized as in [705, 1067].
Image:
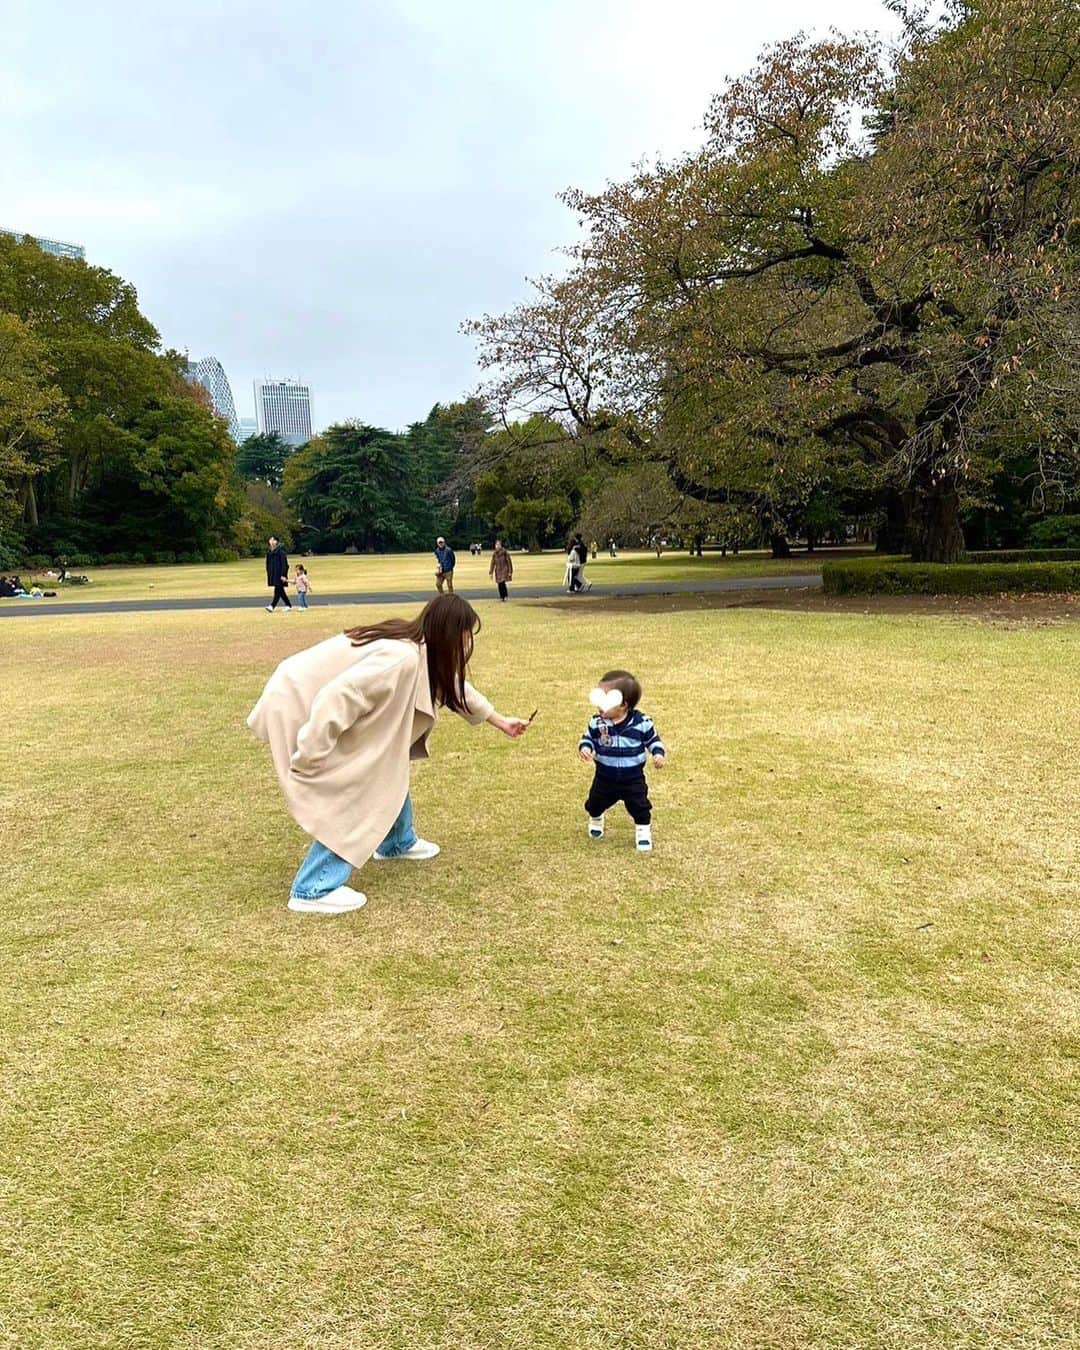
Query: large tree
[134, 462]
[173, 489]
[32, 409]
[261, 459]
[810, 306]
[529, 479]
[446, 448]
[353, 486]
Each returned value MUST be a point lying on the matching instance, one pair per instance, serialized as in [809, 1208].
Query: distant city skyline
[57, 247]
[209, 372]
[283, 407]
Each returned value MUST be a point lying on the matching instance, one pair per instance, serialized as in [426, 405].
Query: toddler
[617, 741]
[303, 585]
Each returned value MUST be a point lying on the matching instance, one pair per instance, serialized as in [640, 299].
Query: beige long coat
[342, 723]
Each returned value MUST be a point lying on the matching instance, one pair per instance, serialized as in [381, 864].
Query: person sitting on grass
[618, 741]
[344, 718]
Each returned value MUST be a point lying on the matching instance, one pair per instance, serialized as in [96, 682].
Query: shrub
[81, 560]
[11, 552]
[898, 576]
[1055, 532]
[189, 557]
[1022, 555]
[222, 555]
[164, 557]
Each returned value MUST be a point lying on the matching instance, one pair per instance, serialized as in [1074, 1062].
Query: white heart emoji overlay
[605, 700]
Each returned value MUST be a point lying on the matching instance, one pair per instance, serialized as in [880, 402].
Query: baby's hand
[586, 756]
[659, 761]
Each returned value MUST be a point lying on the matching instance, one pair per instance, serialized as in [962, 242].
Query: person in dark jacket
[446, 562]
[277, 574]
[577, 549]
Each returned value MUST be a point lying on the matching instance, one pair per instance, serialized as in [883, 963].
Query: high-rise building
[284, 406]
[209, 373]
[53, 246]
[248, 427]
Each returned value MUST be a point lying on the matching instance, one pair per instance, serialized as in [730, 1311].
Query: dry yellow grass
[800, 1078]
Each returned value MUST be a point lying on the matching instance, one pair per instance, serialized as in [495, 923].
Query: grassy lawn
[338, 574]
[798, 1079]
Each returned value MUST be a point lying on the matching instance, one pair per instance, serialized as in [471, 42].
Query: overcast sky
[328, 190]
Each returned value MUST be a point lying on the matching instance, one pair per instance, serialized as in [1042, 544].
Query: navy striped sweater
[620, 751]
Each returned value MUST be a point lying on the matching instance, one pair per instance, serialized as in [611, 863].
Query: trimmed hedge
[898, 576]
[1024, 555]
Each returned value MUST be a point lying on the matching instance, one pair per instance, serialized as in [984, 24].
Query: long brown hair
[446, 626]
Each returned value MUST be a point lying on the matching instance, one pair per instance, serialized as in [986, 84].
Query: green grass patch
[801, 1078]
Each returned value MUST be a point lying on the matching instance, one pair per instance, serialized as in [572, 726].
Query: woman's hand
[509, 726]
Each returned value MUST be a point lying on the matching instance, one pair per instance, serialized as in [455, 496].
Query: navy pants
[632, 792]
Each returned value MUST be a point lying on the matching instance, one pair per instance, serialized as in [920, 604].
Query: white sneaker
[643, 838]
[596, 827]
[336, 902]
[421, 850]
[269, 609]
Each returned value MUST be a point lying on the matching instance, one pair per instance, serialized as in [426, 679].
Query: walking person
[501, 568]
[582, 550]
[576, 556]
[617, 742]
[277, 574]
[343, 720]
[303, 585]
[445, 564]
[570, 575]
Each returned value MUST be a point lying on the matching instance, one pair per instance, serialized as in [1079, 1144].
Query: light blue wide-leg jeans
[322, 871]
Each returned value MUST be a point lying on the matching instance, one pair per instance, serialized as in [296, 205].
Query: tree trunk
[779, 545]
[934, 522]
[28, 502]
[892, 535]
